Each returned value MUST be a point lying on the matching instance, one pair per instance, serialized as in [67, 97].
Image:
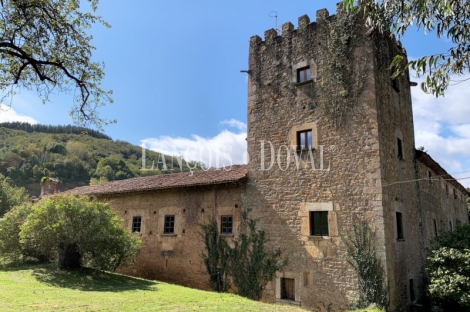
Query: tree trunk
[71, 259]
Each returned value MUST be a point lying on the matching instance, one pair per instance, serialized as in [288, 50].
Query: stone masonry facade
[307, 180]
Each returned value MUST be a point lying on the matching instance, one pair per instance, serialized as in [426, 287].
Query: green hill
[74, 155]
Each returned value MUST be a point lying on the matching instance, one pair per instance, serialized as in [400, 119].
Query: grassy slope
[39, 287]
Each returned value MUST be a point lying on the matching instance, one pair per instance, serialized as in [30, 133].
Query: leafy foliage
[10, 227]
[448, 266]
[362, 256]
[249, 264]
[216, 259]
[44, 46]
[17, 125]
[342, 79]
[10, 196]
[113, 168]
[448, 19]
[73, 230]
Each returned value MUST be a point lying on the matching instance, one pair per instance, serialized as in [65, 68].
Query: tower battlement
[303, 23]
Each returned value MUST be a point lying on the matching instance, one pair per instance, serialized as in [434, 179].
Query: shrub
[448, 267]
[10, 227]
[76, 230]
[10, 196]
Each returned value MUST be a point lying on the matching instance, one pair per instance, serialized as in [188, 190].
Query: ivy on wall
[248, 264]
[343, 74]
[361, 254]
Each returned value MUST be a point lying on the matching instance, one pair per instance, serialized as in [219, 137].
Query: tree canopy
[71, 231]
[10, 196]
[44, 47]
[448, 19]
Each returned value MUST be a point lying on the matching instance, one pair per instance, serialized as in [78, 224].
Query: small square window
[288, 289]
[303, 74]
[226, 224]
[319, 223]
[136, 224]
[399, 218]
[399, 149]
[304, 140]
[169, 225]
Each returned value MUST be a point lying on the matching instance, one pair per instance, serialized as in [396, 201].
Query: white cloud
[8, 114]
[442, 126]
[223, 150]
[234, 124]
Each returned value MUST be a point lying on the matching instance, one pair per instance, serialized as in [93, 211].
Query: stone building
[331, 142]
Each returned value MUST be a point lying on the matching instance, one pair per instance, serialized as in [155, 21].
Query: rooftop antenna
[274, 14]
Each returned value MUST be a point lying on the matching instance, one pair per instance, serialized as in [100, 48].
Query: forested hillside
[74, 155]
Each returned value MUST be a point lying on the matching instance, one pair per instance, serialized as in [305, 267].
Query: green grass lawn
[29, 287]
[32, 287]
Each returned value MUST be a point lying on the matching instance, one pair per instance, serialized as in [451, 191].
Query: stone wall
[360, 166]
[176, 258]
[404, 256]
[348, 185]
[444, 206]
[365, 167]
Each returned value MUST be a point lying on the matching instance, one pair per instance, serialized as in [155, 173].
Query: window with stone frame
[319, 223]
[226, 224]
[288, 289]
[303, 74]
[169, 226]
[136, 224]
[399, 219]
[304, 140]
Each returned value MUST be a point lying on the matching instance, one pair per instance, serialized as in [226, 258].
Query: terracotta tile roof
[427, 160]
[237, 173]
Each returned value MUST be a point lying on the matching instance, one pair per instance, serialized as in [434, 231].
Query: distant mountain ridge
[74, 155]
[17, 125]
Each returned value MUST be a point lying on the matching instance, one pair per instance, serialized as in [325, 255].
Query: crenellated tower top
[304, 23]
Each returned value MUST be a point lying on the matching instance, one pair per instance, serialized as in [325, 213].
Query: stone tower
[328, 133]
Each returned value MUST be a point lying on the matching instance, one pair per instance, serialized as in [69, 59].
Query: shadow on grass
[7, 266]
[87, 279]
[84, 279]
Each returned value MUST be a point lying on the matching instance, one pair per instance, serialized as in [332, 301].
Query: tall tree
[448, 19]
[44, 47]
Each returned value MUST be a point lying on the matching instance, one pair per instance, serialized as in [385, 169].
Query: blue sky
[174, 67]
